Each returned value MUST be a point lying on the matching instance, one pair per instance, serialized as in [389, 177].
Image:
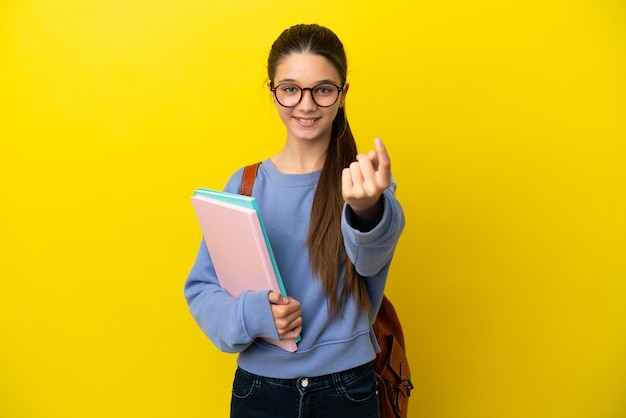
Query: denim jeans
[352, 393]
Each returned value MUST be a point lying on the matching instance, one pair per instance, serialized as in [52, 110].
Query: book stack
[238, 245]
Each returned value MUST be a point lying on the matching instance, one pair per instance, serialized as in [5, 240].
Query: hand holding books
[287, 315]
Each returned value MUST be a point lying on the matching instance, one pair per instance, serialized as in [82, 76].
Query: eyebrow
[291, 80]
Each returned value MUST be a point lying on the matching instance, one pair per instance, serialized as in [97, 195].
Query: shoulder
[234, 182]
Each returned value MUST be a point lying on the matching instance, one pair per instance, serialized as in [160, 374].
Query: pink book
[238, 250]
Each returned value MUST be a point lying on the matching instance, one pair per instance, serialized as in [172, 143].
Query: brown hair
[325, 240]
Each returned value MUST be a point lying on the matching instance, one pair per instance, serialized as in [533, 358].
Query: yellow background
[506, 126]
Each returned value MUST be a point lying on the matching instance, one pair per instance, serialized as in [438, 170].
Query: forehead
[305, 68]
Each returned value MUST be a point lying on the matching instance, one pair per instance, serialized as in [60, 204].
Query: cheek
[333, 113]
[283, 113]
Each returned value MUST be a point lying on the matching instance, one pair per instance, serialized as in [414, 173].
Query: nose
[306, 101]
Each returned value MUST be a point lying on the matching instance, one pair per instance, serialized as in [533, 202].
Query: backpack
[391, 364]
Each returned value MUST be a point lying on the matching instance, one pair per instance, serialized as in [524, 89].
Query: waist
[265, 359]
[314, 382]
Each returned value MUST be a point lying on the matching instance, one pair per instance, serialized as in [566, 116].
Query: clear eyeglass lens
[324, 94]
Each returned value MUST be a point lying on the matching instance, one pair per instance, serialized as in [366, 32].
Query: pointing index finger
[383, 157]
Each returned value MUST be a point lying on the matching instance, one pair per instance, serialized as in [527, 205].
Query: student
[333, 222]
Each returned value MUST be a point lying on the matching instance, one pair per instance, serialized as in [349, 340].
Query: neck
[301, 157]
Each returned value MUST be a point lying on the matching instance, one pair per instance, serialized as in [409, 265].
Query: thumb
[277, 298]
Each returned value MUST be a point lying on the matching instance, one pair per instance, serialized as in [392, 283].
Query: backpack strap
[247, 180]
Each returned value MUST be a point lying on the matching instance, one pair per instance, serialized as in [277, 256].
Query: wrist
[365, 218]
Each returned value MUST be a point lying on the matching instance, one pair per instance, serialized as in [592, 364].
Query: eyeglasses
[323, 95]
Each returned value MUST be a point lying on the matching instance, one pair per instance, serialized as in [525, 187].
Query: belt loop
[338, 383]
[258, 380]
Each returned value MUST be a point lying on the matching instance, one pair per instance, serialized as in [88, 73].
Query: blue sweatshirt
[328, 345]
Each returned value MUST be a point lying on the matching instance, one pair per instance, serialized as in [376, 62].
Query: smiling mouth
[306, 121]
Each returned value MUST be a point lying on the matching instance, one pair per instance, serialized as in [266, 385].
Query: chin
[310, 135]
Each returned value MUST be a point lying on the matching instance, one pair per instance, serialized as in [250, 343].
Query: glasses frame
[303, 89]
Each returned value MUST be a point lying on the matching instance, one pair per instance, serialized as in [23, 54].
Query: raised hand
[364, 181]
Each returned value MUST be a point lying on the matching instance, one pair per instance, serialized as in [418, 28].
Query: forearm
[231, 323]
[371, 250]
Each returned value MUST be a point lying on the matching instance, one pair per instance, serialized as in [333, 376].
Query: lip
[306, 122]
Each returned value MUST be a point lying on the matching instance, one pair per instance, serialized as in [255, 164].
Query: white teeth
[306, 120]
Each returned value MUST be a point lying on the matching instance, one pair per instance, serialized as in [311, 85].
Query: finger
[350, 177]
[346, 180]
[347, 186]
[372, 156]
[384, 162]
[356, 176]
[294, 321]
[292, 309]
[367, 170]
[291, 334]
[285, 324]
[288, 322]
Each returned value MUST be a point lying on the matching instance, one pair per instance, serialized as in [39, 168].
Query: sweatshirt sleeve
[231, 323]
[371, 251]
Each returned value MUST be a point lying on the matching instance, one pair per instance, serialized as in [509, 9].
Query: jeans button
[305, 382]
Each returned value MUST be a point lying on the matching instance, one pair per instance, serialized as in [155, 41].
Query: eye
[289, 89]
[325, 89]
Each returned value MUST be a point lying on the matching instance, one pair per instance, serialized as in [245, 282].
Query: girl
[333, 223]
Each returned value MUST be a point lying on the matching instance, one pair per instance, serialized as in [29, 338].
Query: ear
[269, 89]
[344, 92]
